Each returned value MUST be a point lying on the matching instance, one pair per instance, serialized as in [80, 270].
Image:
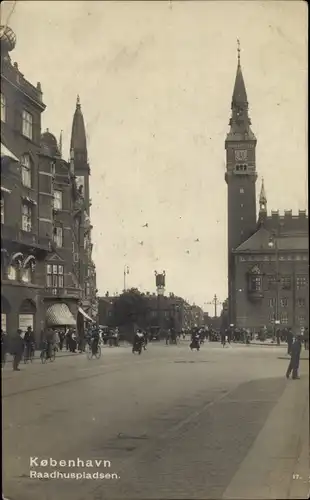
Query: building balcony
[255, 295]
[14, 234]
[63, 293]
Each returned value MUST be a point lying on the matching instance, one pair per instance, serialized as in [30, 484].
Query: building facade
[268, 283]
[45, 227]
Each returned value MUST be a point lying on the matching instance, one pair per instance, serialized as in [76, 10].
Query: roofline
[39, 105]
[271, 251]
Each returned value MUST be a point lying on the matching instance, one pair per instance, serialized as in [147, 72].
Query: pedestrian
[4, 347]
[168, 337]
[223, 337]
[61, 340]
[306, 338]
[73, 341]
[29, 342]
[295, 358]
[17, 349]
[289, 341]
[68, 339]
[278, 334]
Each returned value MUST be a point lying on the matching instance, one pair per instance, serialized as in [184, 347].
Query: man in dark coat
[295, 358]
[17, 350]
[289, 340]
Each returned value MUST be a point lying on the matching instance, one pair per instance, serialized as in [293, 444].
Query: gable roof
[259, 242]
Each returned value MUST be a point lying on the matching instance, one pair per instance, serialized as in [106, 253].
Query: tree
[131, 307]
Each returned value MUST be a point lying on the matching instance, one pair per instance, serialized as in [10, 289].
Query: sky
[155, 81]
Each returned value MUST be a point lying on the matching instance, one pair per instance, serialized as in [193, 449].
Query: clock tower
[240, 177]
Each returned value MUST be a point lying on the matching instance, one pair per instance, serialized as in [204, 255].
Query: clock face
[241, 155]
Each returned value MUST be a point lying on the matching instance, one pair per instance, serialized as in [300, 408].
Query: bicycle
[45, 355]
[28, 353]
[90, 353]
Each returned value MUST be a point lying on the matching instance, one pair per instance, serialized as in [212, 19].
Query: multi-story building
[267, 257]
[47, 272]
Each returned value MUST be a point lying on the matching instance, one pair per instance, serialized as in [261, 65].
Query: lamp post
[273, 244]
[126, 272]
[215, 302]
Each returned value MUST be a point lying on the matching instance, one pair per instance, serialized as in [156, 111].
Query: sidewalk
[277, 466]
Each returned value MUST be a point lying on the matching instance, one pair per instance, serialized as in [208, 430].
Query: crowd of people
[23, 343]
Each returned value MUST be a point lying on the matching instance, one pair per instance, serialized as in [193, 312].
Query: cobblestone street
[173, 423]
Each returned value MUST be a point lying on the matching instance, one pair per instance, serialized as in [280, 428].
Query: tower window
[284, 302]
[301, 282]
[301, 302]
[241, 218]
[241, 205]
[241, 190]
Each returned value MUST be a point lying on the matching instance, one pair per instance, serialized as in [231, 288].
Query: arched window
[26, 166]
[12, 273]
[255, 282]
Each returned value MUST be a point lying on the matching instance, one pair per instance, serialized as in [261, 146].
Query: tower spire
[240, 123]
[78, 134]
[262, 204]
[238, 50]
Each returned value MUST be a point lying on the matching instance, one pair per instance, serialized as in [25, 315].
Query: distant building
[167, 311]
[47, 273]
[267, 255]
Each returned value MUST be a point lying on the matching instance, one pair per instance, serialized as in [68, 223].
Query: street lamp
[126, 272]
[273, 244]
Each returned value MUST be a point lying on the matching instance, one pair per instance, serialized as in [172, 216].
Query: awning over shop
[6, 153]
[86, 315]
[59, 315]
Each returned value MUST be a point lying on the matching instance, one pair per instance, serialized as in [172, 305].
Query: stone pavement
[173, 423]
